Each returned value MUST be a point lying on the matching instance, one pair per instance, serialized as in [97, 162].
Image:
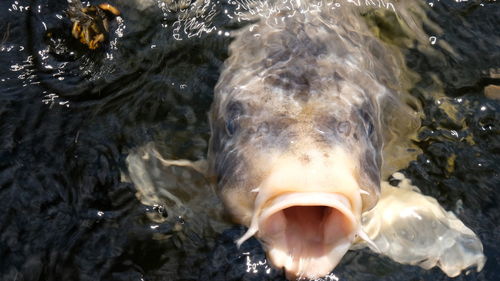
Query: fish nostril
[263, 128]
[344, 128]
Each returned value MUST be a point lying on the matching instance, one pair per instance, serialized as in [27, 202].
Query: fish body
[298, 128]
[296, 145]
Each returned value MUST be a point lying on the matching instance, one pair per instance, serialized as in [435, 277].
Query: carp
[297, 141]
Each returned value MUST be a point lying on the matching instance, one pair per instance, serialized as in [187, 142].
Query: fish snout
[307, 215]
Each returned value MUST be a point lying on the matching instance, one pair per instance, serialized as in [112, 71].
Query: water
[70, 116]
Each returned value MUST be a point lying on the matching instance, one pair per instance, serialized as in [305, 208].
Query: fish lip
[332, 200]
[312, 266]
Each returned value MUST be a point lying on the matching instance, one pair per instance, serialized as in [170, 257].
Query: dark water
[70, 116]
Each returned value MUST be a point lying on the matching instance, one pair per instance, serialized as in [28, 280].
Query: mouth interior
[305, 227]
[306, 231]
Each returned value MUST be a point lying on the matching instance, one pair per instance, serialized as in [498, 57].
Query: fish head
[299, 172]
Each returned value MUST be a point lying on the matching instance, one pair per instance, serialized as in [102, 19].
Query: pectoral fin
[201, 166]
[412, 228]
[157, 185]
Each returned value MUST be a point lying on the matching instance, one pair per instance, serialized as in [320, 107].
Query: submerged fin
[156, 185]
[201, 166]
[412, 228]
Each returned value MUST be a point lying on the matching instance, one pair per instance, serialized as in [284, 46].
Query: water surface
[69, 117]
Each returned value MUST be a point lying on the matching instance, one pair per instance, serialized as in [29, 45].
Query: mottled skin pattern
[318, 77]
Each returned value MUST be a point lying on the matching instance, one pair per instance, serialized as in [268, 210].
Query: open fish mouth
[306, 233]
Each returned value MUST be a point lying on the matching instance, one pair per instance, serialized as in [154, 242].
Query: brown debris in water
[91, 24]
[492, 92]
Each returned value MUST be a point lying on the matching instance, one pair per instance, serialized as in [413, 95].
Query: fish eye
[369, 128]
[368, 122]
[233, 113]
[230, 127]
